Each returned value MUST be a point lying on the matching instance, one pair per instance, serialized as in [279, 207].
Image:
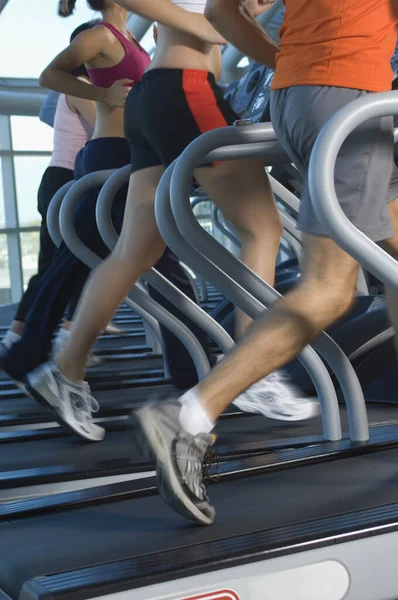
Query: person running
[176, 100]
[115, 61]
[318, 70]
[73, 126]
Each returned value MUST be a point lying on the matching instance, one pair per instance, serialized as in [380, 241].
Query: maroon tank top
[132, 66]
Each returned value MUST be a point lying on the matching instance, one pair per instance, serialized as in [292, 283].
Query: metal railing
[253, 140]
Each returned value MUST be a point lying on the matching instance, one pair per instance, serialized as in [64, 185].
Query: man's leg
[325, 294]
[391, 246]
[179, 432]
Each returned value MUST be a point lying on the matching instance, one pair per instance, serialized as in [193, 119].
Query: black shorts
[167, 110]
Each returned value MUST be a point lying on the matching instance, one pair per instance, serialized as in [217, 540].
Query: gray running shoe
[71, 403]
[180, 459]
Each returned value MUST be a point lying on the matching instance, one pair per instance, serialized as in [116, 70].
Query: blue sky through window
[31, 34]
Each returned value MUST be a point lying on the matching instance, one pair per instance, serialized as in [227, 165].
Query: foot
[276, 397]
[112, 329]
[72, 403]
[180, 458]
[59, 342]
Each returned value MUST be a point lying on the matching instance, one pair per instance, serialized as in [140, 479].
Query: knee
[320, 302]
[138, 257]
[341, 301]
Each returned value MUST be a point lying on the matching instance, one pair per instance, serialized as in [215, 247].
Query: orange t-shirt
[343, 43]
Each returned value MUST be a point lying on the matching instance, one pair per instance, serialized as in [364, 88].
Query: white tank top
[71, 133]
[196, 6]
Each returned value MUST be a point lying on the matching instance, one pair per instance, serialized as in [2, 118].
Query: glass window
[30, 241]
[5, 283]
[22, 25]
[2, 215]
[29, 133]
[148, 42]
[28, 173]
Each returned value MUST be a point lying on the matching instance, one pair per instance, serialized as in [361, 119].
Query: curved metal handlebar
[139, 301]
[153, 277]
[240, 297]
[224, 229]
[196, 153]
[323, 191]
[53, 213]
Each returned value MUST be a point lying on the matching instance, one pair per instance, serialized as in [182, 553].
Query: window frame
[12, 228]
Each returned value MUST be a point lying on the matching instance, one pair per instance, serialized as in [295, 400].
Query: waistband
[178, 74]
[107, 141]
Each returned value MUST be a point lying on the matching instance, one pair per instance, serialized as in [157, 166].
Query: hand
[117, 93]
[258, 7]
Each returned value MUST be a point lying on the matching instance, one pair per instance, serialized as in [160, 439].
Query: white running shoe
[112, 329]
[72, 403]
[276, 397]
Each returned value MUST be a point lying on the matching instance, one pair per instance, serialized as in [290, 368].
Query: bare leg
[243, 192]
[139, 247]
[326, 292]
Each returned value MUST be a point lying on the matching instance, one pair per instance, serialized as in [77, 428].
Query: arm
[394, 8]
[234, 21]
[85, 47]
[84, 108]
[167, 13]
[47, 111]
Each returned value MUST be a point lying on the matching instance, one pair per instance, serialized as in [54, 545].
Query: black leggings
[67, 273]
[53, 179]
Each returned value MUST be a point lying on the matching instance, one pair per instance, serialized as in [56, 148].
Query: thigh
[363, 166]
[243, 192]
[139, 229]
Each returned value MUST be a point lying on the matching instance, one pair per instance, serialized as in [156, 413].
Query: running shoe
[180, 460]
[276, 397]
[71, 403]
[112, 329]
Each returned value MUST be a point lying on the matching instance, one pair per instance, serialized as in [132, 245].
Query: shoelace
[92, 405]
[192, 474]
[85, 404]
[197, 467]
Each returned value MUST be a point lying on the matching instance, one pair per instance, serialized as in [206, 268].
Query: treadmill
[309, 521]
[38, 458]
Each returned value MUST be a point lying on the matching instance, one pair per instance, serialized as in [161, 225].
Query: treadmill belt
[119, 530]
[119, 444]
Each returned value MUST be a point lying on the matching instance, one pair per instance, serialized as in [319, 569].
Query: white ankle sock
[10, 338]
[62, 335]
[193, 417]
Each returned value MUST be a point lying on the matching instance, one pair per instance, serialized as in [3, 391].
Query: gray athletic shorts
[366, 176]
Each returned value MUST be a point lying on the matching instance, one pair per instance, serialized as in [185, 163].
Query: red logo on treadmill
[221, 595]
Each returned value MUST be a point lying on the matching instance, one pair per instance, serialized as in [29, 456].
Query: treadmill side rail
[271, 560]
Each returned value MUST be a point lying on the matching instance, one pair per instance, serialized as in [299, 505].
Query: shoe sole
[33, 393]
[170, 485]
[312, 412]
